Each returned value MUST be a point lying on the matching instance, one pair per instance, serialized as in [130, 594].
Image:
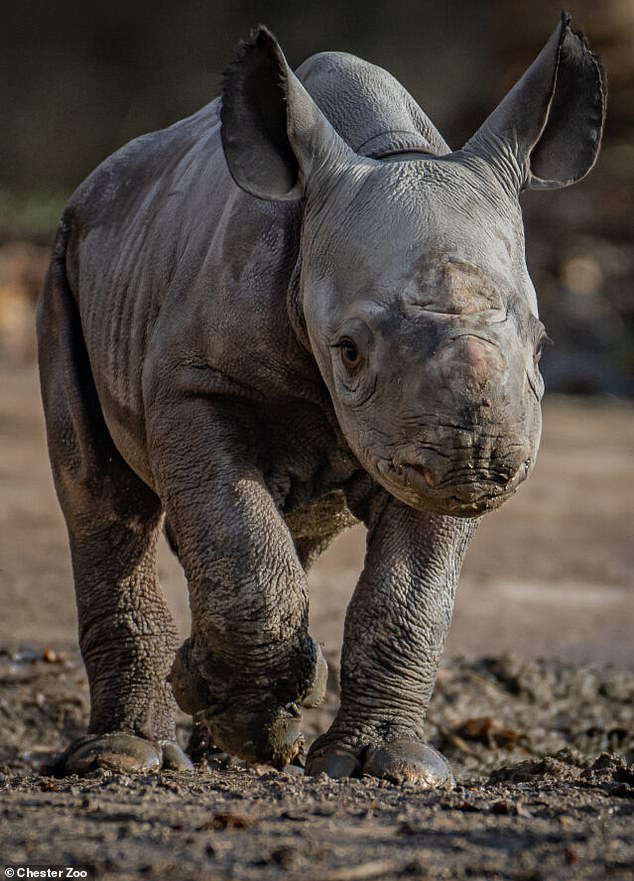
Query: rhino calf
[296, 309]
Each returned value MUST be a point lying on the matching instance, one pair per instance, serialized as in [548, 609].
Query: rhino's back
[156, 175]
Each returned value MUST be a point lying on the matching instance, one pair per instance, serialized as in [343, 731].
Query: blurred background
[550, 573]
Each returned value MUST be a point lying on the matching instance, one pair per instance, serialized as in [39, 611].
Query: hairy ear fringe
[254, 118]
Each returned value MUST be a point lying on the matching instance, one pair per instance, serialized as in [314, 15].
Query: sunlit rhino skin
[295, 309]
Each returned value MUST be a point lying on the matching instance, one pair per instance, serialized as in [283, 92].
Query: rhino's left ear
[273, 133]
[546, 132]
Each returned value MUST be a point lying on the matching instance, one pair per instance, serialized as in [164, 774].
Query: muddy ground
[534, 703]
[541, 751]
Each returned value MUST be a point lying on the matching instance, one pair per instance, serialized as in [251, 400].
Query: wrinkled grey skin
[265, 322]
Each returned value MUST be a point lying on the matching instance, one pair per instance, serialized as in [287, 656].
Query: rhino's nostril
[425, 473]
[520, 475]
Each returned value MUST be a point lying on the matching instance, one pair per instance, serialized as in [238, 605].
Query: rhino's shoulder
[368, 107]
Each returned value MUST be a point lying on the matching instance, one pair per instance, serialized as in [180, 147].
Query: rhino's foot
[268, 735]
[399, 761]
[255, 725]
[123, 753]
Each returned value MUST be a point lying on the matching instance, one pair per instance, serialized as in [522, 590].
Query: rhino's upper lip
[495, 483]
[463, 498]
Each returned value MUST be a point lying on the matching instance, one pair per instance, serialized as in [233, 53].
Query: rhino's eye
[350, 355]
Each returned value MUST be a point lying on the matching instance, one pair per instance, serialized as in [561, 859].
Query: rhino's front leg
[249, 662]
[394, 636]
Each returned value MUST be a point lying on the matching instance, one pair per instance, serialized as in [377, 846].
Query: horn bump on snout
[471, 361]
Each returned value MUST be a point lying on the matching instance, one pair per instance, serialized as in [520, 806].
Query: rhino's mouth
[466, 492]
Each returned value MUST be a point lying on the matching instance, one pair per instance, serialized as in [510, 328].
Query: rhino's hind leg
[126, 634]
[125, 753]
[127, 640]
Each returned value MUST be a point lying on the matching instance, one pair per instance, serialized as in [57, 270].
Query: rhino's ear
[546, 132]
[273, 133]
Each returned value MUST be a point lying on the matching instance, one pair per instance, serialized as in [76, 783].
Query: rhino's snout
[481, 451]
[465, 470]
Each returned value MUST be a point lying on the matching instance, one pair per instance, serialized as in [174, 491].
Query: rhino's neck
[295, 307]
[368, 107]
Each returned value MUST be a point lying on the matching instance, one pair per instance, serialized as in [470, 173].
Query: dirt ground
[534, 702]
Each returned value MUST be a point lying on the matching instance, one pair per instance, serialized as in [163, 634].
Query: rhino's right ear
[546, 132]
[273, 133]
